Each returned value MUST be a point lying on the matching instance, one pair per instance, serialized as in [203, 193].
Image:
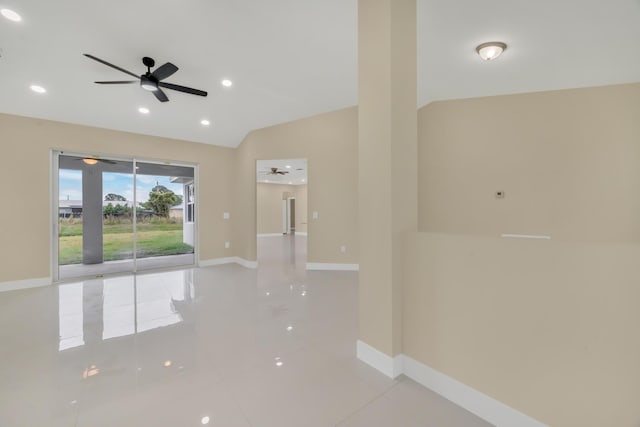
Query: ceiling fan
[150, 81]
[275, 171]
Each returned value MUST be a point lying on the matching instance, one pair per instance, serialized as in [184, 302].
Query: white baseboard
[330, 266]
[474, 401]
[246, 263]
[228, 260]
[271, 235]
[301, 233]
[24, 284]
[390, 366]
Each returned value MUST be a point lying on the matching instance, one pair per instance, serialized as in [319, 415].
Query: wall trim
[300, 233]
[474, 401]
[271, 235]
[227, 260]
[15, 285]
[330, 266]
[390, 366]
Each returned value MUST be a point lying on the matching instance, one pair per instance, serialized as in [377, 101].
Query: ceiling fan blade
[111, 162]
[120, 82]
[162, 97]
[183, 89]
[164, 71]
[110, 65]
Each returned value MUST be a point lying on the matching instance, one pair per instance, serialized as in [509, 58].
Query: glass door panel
[95, 220]
[165, 216]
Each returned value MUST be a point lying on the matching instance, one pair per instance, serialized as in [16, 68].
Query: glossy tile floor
[219, 346]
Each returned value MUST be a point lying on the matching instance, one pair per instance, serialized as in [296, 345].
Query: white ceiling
[291, 58]
[296, 168]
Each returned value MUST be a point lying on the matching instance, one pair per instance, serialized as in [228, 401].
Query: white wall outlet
[226, 215]
[315, 214]
[343, 249]
[227, 245]
[499, 194]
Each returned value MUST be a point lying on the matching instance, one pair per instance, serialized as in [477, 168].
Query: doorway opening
[281, 210]
[118, 215]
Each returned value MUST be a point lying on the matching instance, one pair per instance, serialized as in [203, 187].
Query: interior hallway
[221, 346]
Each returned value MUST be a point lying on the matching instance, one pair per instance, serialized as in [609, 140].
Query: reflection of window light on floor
[118, 312]
[149, 304]
[70, 315]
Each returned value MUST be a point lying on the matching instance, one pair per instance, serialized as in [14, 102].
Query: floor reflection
[121, 306]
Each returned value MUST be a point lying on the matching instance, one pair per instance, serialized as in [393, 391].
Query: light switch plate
[226, 215]
[227, 245]
[315, 214]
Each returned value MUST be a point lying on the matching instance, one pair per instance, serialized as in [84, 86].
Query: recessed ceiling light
[37, 89]
[205, 122]
[227, 83]
[288, 166]
[167, 363]
[11, 15]
[490, 50]
[205, 420]
[143, 110]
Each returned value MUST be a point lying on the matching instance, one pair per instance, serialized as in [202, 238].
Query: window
[190, 202]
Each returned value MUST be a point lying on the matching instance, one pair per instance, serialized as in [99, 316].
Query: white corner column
[387, 169]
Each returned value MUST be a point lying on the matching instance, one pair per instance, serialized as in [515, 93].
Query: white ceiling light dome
[491, 50]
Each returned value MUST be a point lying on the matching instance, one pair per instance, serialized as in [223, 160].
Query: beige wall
[568, 162]
[301, 209]
[547, 327]
[26, 174]
[329, 143]
[269, 207]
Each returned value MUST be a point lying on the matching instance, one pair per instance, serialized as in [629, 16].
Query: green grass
[155, 238]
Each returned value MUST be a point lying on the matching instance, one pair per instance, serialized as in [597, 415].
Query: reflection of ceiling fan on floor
[275, 171]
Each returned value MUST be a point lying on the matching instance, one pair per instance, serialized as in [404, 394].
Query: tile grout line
[360, 409]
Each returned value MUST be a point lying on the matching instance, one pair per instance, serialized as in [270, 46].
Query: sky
[70, 185]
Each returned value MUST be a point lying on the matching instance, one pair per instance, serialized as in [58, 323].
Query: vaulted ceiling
[289, 59]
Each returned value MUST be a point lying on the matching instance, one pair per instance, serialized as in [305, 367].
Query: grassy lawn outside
[158, 237]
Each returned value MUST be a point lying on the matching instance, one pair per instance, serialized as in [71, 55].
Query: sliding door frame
[54, 156]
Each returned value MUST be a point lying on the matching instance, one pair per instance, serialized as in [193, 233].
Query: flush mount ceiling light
[491, 50]
[37, 89]
[11, 15]
[205, 122]
[227, 83]
[143, 110]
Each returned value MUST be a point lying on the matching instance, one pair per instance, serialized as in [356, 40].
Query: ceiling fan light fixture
[90, 161]
[147, 84]
[491, 50]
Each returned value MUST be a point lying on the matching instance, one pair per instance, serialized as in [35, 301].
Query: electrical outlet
[343, 249]
[227, 245]
[226, 215]
[499, 194]
[315, 214]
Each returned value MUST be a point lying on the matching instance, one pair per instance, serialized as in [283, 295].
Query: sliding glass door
[121, 215]
[164, 234]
